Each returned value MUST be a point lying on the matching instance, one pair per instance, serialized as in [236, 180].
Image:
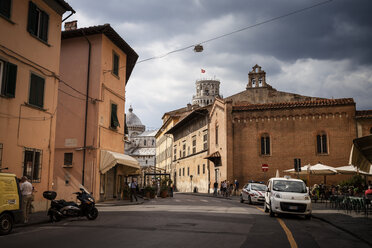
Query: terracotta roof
[304, 104]
[107, 30]
[363, 114]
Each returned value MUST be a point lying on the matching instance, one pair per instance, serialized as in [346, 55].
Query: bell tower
[256, 78]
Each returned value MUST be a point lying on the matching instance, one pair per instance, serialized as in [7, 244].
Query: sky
[323, 51]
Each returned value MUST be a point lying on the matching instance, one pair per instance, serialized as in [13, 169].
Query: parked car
[253, 192]
[287, 195]
[10, 203]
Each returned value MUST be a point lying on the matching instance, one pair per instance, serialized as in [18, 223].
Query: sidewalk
[42, 217]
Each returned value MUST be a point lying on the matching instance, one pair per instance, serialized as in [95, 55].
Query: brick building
[264, 126]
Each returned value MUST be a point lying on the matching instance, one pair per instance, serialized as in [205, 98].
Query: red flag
[202, 71]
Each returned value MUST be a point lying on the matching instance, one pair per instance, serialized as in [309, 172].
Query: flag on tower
[202, 71]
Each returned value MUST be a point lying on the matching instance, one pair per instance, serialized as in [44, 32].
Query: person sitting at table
[368, 192]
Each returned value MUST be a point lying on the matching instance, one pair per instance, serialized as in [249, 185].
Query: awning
[110, 159]
[215, 158]
[361, 153]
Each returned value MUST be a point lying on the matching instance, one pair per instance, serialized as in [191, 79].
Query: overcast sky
[325, 51]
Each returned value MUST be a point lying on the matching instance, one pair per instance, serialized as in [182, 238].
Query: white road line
[204, 200]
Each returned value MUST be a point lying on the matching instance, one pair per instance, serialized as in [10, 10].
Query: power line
[237, 31]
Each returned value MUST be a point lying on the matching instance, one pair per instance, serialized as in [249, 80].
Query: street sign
[265, 167]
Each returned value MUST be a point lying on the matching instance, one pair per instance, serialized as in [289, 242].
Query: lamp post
[191, 176]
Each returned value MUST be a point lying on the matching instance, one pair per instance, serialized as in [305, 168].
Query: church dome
[132, 119]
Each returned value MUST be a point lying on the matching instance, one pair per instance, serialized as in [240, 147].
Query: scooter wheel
[54, 217]
[92, 214]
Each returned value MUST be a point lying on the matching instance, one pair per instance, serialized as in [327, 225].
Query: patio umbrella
[351, 169]
[277, 173]
[317, 169]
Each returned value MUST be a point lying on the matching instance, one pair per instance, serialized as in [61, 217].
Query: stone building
[264, 126]
[190, 147]
[206, 92]
[141, 144]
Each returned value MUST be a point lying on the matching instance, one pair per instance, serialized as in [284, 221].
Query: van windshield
[289, 186]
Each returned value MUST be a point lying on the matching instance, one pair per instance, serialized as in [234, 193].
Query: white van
[287, 195]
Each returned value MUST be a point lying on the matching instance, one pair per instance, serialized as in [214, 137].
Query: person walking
[26, 192]
[133, 189]
[215, 187]
[236, 187]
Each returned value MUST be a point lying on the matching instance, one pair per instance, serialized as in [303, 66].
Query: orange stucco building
[29, 67]
[97, 63]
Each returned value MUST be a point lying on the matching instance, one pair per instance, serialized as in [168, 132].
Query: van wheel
[6, 224]
[272, 214]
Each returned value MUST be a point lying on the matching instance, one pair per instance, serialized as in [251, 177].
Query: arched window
[265, 144]
[322, 143]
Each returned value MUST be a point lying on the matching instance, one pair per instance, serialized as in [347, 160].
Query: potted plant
[149, 192]
[164, 188]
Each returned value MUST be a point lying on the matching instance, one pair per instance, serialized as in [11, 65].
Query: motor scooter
[61, 209]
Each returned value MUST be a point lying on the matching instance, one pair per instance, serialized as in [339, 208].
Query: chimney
[71, 25]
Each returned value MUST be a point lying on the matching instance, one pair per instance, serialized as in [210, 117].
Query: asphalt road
[183, 221]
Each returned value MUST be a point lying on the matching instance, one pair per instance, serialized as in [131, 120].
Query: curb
[207, 195]
[342, 229]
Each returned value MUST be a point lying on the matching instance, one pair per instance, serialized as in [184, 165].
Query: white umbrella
[350, 169]
[317, 169]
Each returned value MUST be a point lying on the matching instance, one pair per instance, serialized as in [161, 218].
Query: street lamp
[191, 176]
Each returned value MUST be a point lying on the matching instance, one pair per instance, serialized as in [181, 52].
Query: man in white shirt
[133, 189]
[26, 191]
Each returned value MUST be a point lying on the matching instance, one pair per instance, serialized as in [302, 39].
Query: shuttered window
[38, 22]
[115, 64]
[8, 78]
[5, 7]
[36, 97]
[114, 116]
[68, 156]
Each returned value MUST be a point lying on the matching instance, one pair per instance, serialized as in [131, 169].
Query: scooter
[61, 209]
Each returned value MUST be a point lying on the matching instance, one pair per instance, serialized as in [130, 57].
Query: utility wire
[238, 30]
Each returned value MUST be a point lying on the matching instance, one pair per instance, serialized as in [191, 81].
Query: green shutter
[36, 91]
[32, 18]
[5, 6]
[114, 118]
[10, 79]
[44, 26]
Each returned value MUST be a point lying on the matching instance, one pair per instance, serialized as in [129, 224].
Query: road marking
[177, 200]
[290, 238]
[204, 200]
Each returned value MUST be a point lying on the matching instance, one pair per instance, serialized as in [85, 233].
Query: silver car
[253, 193]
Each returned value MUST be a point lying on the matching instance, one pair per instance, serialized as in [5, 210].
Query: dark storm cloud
[324, 51]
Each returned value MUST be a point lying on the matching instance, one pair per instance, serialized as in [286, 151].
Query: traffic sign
[265, 167]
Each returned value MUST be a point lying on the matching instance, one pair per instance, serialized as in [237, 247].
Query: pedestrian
[133, 189]
[224, 188]
[215, 187]
[26, 192]
[236, 187]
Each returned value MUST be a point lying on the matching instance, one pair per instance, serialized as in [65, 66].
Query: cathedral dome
[132, 119]
[133, 123]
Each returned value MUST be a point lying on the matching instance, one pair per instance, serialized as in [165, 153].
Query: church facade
[264, 126]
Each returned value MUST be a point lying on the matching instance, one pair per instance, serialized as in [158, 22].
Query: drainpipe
[86, 109]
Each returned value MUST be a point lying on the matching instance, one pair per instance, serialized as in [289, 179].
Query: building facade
[96, 64]
[190, 147]
[29, 67]
[264, 126]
